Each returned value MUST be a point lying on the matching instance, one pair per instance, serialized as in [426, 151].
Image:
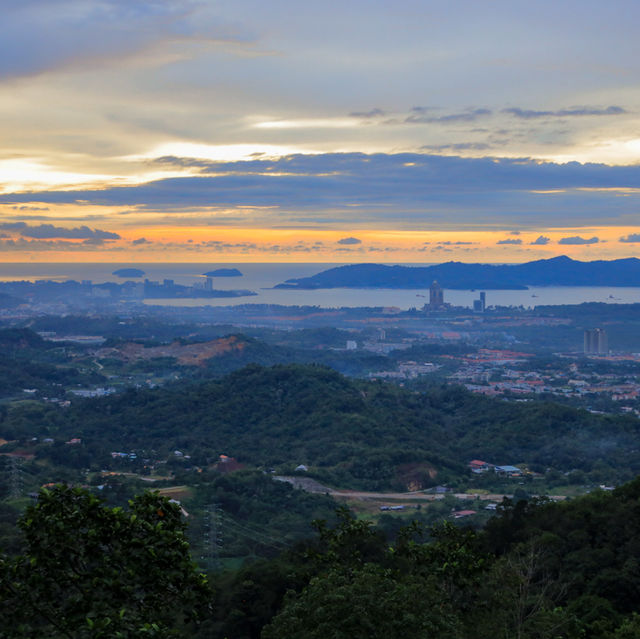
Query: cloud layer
[120, 119]
[408, 190]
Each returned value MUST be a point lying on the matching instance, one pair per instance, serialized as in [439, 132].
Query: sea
[262, 277]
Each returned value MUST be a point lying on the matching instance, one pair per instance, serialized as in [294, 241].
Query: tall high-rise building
[595, 341]
[480, 305]
[436, 297]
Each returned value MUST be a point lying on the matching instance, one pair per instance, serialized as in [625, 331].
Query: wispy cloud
[457, 147]
[26, 245]
[529, 114]
[421, 115]
[36, 35]
[372, 113]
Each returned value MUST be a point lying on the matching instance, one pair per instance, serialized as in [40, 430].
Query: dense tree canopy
[94, 571]
[364, 434]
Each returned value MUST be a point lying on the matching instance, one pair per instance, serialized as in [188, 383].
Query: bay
[261, 277]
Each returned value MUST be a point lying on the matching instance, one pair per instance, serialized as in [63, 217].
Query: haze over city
[156, 131]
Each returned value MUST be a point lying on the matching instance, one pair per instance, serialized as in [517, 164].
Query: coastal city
[508, 352]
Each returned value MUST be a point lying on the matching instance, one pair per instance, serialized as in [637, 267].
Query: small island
[224, 272]
[128, 272]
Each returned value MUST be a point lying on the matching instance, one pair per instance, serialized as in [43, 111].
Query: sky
[354, 131]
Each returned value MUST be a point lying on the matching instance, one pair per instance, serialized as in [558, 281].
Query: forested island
[557, 271]
[224, 272]
[128, 272]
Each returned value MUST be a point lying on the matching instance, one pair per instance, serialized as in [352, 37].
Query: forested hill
[557, 271]
[354, 433]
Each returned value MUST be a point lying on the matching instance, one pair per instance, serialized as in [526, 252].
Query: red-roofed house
[463, 513]
[478, 466]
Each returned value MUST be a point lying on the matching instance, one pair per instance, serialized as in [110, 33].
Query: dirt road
[312, 486]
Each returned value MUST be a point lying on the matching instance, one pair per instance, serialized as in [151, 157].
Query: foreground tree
[366, 589]
[94, 571]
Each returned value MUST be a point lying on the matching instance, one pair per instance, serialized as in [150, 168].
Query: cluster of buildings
[436, 299]
[496, 372]
[407, 370]
[479, 467]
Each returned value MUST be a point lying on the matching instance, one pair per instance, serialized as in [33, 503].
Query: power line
[252, 533]
[212, 537]
[15, 477]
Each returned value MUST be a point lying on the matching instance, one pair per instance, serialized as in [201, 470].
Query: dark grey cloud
[576, 239]
[529, 114]
[358, 188]
[140, 240]
[631, 238]
[49, 231]
[30, 208]
[349, 240]
[509, 241]
[541, 240]
[450, 243]
[13, 226]
[514, 233]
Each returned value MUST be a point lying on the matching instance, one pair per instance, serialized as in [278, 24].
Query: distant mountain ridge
[557, 271]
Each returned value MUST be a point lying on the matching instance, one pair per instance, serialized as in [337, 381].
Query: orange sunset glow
[161, 134]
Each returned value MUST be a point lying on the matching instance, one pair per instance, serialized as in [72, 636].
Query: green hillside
[349, 432]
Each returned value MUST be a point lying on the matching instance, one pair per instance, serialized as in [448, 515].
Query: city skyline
[153, 131]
